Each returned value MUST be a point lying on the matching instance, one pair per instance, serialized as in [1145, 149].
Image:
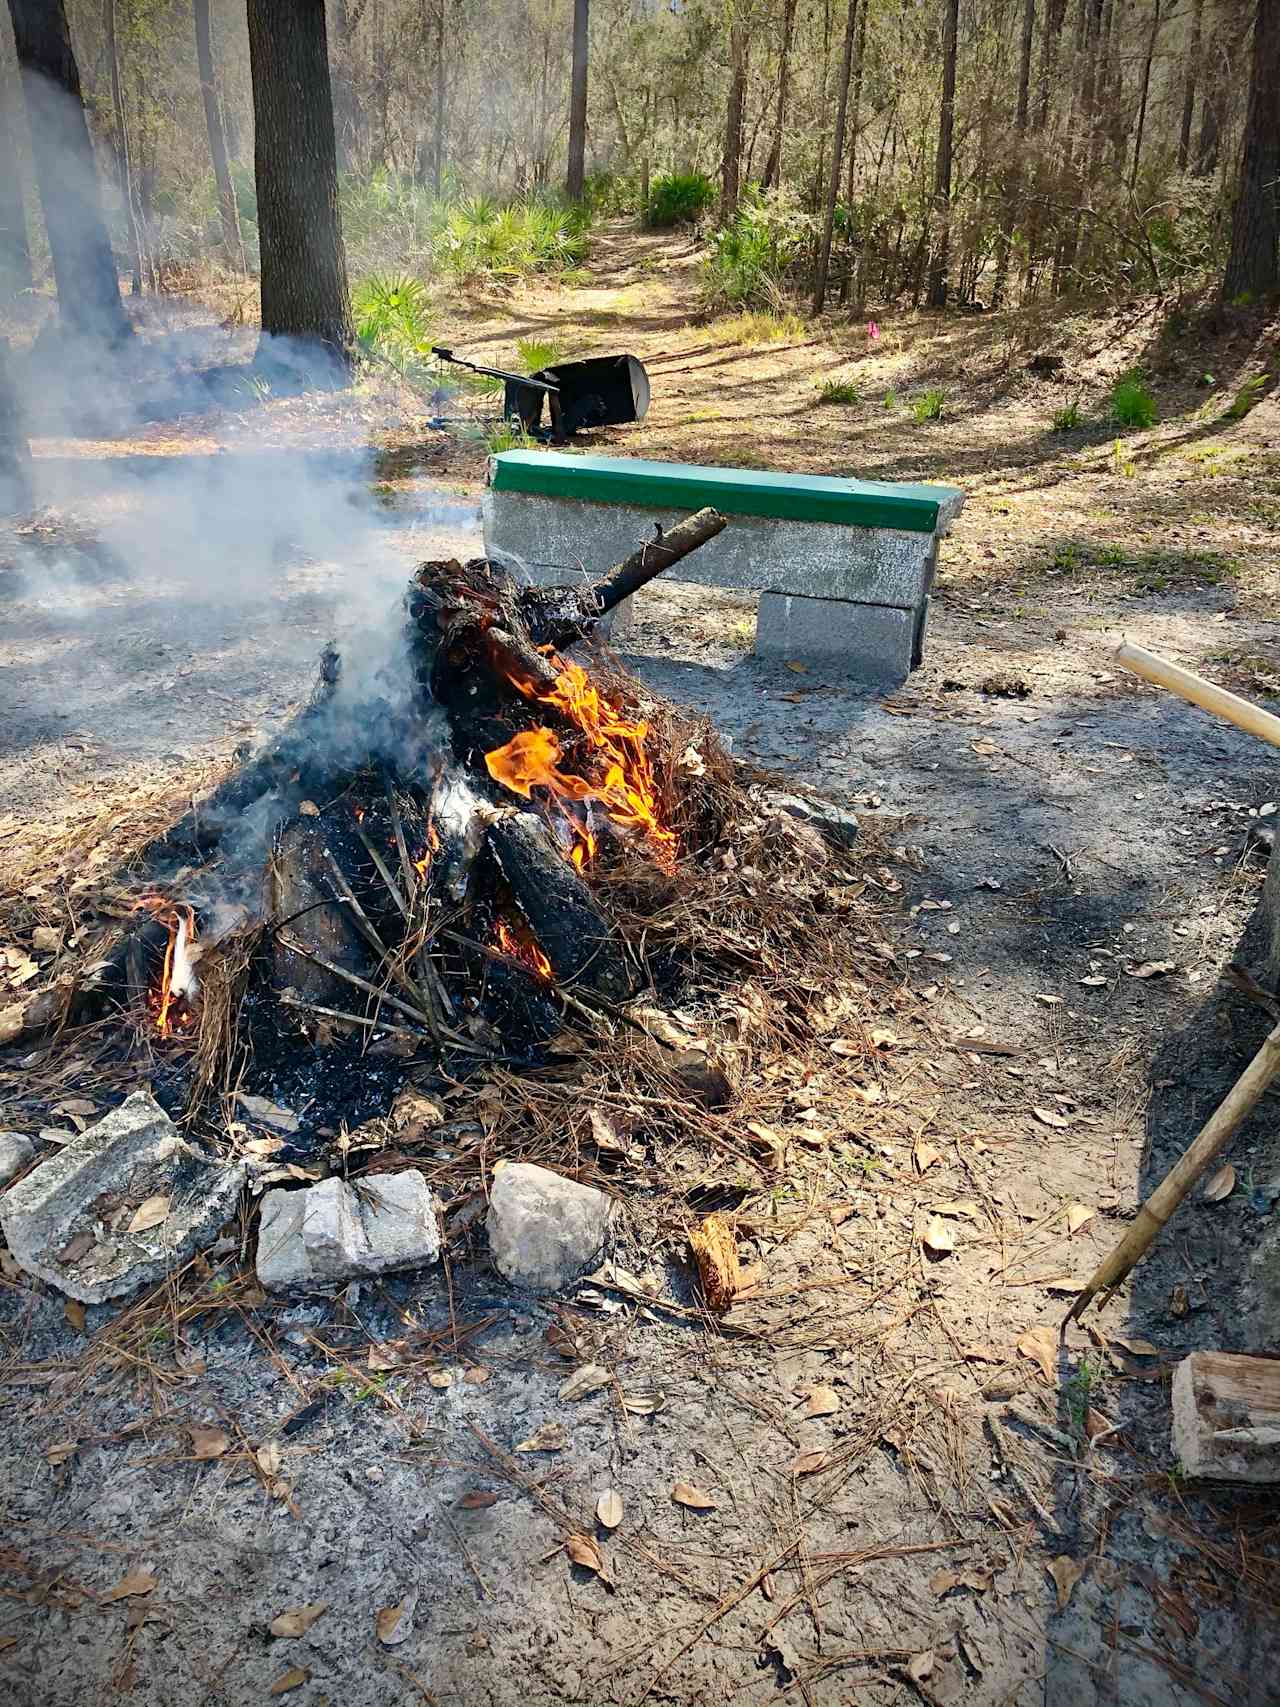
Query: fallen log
[1226, 1416]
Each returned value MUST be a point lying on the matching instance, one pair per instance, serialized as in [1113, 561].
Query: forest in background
[978, 150]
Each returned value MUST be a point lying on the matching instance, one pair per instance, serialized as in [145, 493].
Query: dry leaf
[73, 1310]
[685, 1494]
[588, 1379]
[308, 809]
[716, 1249]
[477, 1375]
[1095, 980]
[609, 1508]
[382, 1357]
[46, 939]
[480, 1500]
[882, 1039]
[1049, 1118]
[1096, 1425]
[299, 1619]
[207, 1442]
[1041, 1346]
[137, 1582]
[551, 1437]
[920, 1666]
[389, 1621]
[268, 1456]
[604, 1135]
[982, 1354]
[1078, 1215]
[1066, 1573]
[1151, 968]
[795, 664]
[924, 1156]
[962, 1208]
[643, 1404]
[985, 749]
[942, 1582]
[562, 1342]
[295, 1676]
[440, 1378]
[1220, 1185]
[150, 1213]
[583, 1551]
[807, 1463]
[61, 1452]
[938, 1237]
[822, 1402]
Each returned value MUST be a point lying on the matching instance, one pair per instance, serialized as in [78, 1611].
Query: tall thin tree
[837, 158]
[228, 211]
[84, 267]
[938, 266]
[773, 165]
[1253, 266]
[15, 251]
[1013, 180]
[124, 160]
[304, 267]
[576, 174]
[1145, 96]
[731, 167]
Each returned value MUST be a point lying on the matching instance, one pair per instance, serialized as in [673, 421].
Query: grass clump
[838, 391]
[760, 326]
[536, 353]
[1112, 557]
[1066, 420]
[1248, 397]
[928, 406]
[1132, 405]
[678, 198]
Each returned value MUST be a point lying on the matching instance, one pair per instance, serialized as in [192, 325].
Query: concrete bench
[843, 567]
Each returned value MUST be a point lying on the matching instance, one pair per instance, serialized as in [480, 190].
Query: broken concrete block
[326, 1234]
[121, 1205]
[544, 1229]
[15, 1152]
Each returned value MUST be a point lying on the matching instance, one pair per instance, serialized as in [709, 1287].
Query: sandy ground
[1038, 850]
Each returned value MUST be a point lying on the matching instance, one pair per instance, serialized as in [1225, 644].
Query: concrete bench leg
[874, 644]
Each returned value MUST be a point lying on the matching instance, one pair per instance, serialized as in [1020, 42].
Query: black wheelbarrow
[602, 391]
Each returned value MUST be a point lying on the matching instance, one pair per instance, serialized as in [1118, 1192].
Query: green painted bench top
[735, 491]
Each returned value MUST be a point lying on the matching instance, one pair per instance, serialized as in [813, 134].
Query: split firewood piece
[715, 1249]
[1226, 1416]
[336, 950]
[571, 931]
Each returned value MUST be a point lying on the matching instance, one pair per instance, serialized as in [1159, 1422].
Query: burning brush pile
[492, 903]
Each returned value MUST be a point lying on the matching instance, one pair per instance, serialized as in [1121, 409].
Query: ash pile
[492, 940]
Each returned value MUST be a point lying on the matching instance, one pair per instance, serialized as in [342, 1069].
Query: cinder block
[872, 644]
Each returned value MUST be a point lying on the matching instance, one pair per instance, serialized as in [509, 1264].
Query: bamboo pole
[1239, 1102]
[1197, 691]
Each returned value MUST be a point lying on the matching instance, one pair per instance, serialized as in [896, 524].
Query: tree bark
[128, 187]
[773, 165]
[15, 251]
[1189, 84]
[15, 453]
[732, 166]
[942, 169]
[1146, 94]
[837, 158]
[1253, 266]
[228, 212]
[576, 173]
[84, 266]
[304, 268]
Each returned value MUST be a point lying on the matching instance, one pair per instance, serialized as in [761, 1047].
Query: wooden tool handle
[1195, 689]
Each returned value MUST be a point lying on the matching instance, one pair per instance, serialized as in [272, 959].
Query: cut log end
[1226, 1417]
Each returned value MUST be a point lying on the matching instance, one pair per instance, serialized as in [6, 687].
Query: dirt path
[1041, 849]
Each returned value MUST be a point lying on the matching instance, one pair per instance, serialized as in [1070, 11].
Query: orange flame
[521, 946]
[626, 790]
[168, 1005]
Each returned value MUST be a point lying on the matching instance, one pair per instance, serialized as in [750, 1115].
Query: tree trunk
[228, 212]
[346, 105]
[304, 267]
[942, 169]
[1189, 84]
[15, 252]
[84, 267]
[128, 188]
[837, 158]
[576, 175]
[1145, 96]
[15, 453]
[1253, 266]
[773, 165]
[1055, 16]
[1013, 186]
[437, 144]
[732, 166]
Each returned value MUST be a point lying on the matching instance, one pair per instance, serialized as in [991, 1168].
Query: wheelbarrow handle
[495, 372]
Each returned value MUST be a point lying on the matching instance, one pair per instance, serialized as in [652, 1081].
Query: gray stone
[877, 645]
[559, 539]
[835, 822]
[544, 1229]
[326, 1234]
[68, 1221]
[15, 1152]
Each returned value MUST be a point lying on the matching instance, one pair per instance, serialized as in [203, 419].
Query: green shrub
[1132, 405]
[537, 353]
[838, 391]
[390, 309]
[753, 259]
[1112, 557]
[891, 399]
[1250, 393]
[928, 406]
[678, 198]
[1066, 420]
